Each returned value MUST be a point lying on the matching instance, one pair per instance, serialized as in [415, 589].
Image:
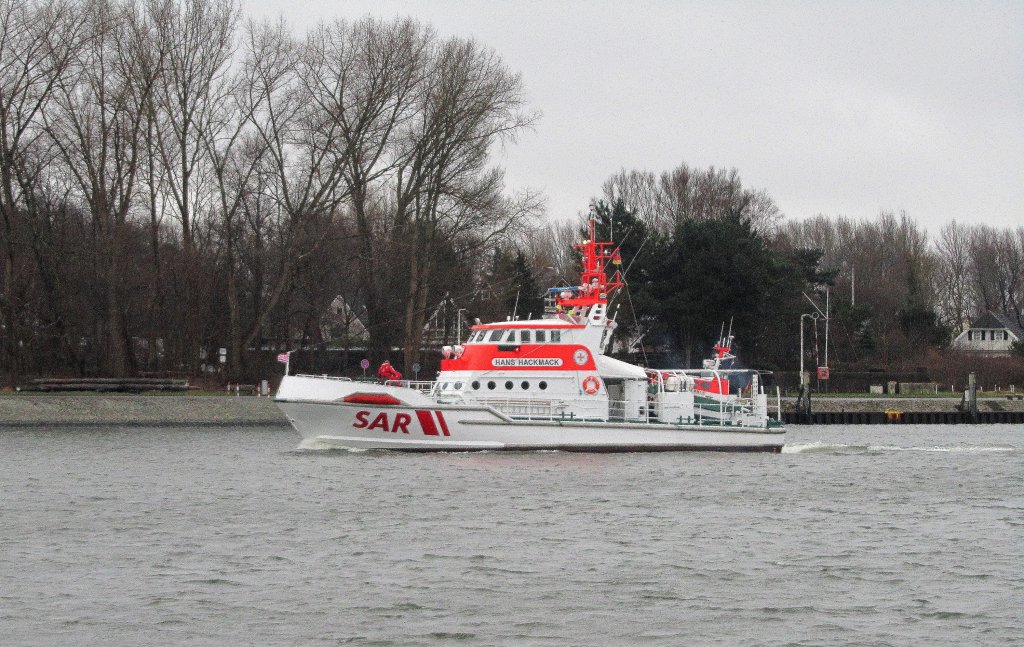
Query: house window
[970, 335]
[982, 335]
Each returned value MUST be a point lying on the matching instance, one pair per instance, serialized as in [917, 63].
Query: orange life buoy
[591, 385]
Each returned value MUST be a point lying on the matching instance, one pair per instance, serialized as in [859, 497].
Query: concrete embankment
[137, 410]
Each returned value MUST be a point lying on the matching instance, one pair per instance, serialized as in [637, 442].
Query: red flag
[283, 357]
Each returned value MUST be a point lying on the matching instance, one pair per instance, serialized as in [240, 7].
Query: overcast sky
[836, 108]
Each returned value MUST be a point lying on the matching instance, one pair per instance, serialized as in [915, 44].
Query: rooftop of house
[996, 320]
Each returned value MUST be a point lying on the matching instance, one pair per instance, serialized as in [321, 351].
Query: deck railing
[721, 412]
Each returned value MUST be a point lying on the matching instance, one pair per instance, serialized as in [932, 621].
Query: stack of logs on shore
[107, 384]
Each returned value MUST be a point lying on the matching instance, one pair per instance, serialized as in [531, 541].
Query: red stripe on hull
[371, 398]
[444, 426]
[427, 422]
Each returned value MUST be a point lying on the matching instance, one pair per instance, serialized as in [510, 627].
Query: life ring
[591, 385]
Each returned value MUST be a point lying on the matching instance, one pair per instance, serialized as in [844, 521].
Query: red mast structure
[594, 285]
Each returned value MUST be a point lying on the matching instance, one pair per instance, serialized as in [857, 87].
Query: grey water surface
[852, 536]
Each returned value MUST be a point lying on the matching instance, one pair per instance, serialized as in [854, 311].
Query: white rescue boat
[543, 384]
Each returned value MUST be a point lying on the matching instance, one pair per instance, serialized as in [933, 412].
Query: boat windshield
[496, 335]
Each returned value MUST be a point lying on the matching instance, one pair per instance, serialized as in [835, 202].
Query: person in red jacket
[387, 372]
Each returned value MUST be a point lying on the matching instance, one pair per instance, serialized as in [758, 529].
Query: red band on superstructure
[480, 357]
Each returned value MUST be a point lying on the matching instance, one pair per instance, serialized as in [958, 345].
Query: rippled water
[853, 536]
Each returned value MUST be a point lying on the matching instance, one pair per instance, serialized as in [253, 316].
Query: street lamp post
[458, 324]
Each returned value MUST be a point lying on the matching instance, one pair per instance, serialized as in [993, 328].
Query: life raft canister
[591, 385]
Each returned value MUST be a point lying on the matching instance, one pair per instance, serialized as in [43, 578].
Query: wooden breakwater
[904, 411]
[105, 384]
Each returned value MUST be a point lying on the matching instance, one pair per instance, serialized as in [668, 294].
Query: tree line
[175, 179]
[896, 293]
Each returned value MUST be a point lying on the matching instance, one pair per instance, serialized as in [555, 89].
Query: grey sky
[837, 108]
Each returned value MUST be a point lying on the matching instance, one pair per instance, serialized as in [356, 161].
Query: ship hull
[438, 427]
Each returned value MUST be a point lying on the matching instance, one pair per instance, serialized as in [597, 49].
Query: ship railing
[725, 414]
[423, 386]
[529, 408]
[323, 377]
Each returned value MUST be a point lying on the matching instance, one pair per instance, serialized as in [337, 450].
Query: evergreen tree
[525, 296]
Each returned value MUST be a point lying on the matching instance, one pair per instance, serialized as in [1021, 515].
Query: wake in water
[844, 448]
[317, 445]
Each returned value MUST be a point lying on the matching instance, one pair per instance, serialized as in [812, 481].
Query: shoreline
[101, 410]
[94, 410]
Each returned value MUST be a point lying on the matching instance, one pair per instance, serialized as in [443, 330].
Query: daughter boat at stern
[543, 384]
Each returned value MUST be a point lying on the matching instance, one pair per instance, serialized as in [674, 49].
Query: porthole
[491, 385]
[458, 386]
[543, 385]
[476, 385]
[525, 385]
[508, 385]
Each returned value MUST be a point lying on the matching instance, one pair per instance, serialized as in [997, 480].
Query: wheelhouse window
[541, 336]
[524, 336]
[511, 336]
[496, 335]
[556, 336]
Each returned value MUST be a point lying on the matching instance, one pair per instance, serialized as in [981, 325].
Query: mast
[595, 288]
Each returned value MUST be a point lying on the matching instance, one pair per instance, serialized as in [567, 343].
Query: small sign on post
[416, 371]
[364, 364]
[822, 372]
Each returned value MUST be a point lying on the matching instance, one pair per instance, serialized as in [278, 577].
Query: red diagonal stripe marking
[444, 426]
[427, 422]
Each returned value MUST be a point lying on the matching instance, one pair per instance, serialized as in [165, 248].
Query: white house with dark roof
[991, 334]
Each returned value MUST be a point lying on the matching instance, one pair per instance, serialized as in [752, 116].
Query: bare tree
[97, 123]
[686, 193]
[471, 102]
[37, 41]
[187, 101]
[953, 278]
[366, 78]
